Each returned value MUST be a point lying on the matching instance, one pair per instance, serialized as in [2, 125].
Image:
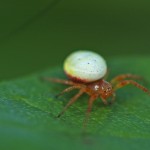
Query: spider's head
[106, 89]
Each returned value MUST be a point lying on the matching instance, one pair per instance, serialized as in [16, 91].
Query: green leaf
[28, 110]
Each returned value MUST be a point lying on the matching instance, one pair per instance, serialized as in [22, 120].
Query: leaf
[28, 110]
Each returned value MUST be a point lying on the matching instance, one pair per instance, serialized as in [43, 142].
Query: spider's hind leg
[73, 99]
[68, 90]
[56, 80]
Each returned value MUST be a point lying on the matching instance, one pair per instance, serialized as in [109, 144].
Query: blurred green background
[36, 34]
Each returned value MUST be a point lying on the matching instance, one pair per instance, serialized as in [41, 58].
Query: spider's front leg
[104, 100]
[121, 77]
[113, 97]
[126, 82]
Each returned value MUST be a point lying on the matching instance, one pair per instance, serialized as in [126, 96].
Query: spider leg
[126, 82]
[113, 98]
[104, 100]
[73, 99]
[90, 103]
[68, 90]
[124, 76]
[56, 80]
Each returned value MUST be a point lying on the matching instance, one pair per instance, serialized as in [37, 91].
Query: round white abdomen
[86, 66]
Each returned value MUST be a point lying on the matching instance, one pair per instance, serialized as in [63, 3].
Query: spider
[87, 71]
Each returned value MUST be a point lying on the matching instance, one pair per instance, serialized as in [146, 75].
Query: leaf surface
[28, 110]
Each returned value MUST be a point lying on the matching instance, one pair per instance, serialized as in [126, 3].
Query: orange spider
[80, 68]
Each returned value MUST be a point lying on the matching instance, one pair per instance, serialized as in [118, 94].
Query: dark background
[37, 34]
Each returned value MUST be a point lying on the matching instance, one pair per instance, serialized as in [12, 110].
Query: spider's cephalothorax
[101, 88]
[105, 89]
[87, 71]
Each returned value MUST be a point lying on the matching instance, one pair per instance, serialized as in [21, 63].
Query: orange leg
[113, 98]
[68, 90]
[71, 102]
[90, 103]
[124, 76]
[126, 82]
[56, 80]
[104, 101]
